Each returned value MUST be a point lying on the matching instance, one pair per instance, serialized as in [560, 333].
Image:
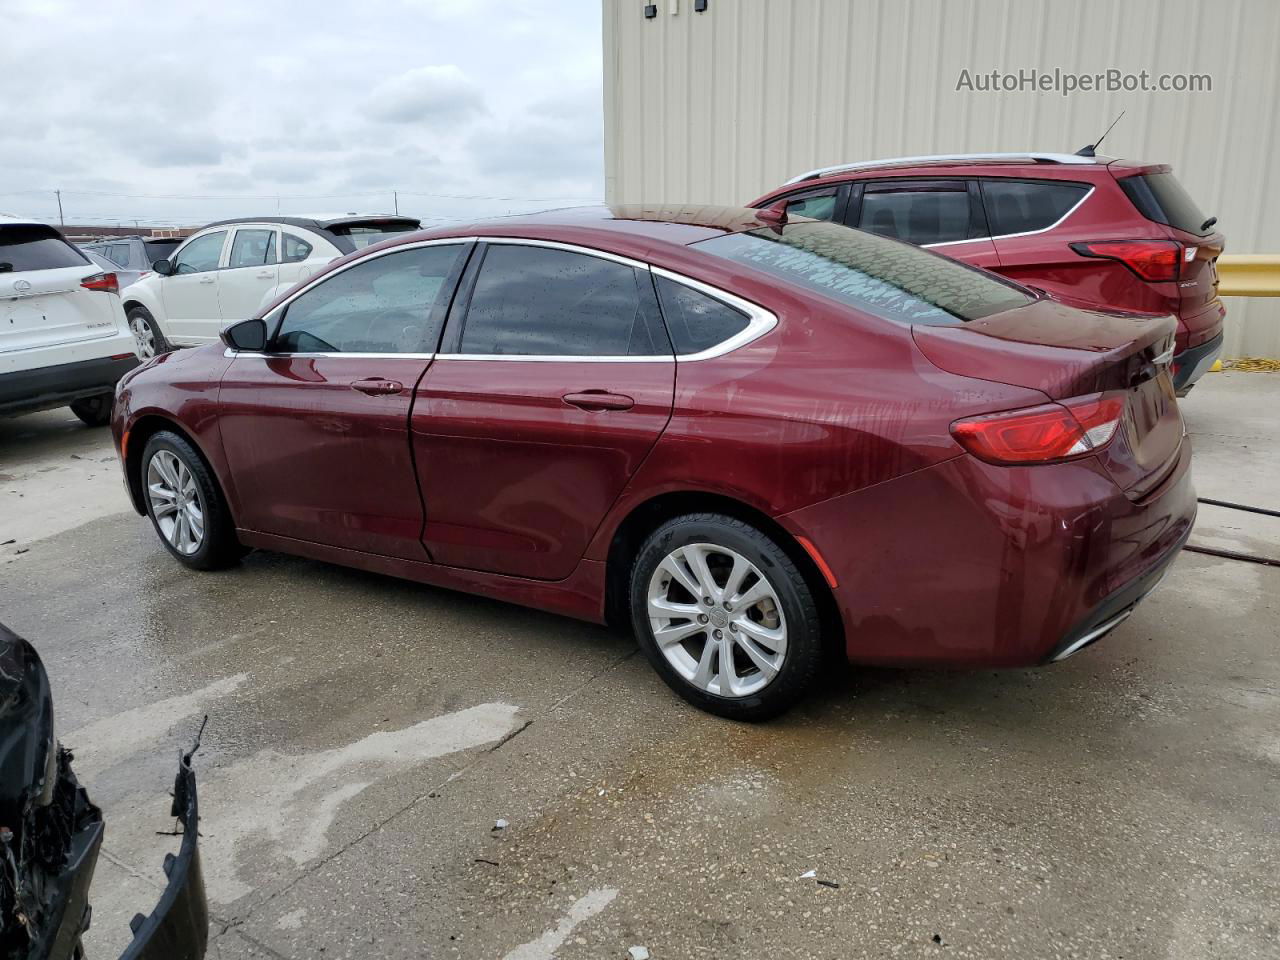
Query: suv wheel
[725, 616]
[186, 506]
[95, 411]
[147, 332]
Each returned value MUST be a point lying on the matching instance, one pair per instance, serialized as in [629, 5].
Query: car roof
[321, 222]
[633, 228]
[955, 160]
[22, 222]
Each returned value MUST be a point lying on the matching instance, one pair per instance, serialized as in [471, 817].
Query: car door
[252, 271]
[554, 381]
[316, 428]
[190, 291]
[945, 215]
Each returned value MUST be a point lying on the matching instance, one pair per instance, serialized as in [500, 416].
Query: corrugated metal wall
[719, 106]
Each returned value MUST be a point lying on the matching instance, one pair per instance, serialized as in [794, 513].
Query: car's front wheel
[725, 616]
[146, 332]
[185, 504]
[95, 411]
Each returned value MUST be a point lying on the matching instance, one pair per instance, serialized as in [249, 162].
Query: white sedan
[228, 270]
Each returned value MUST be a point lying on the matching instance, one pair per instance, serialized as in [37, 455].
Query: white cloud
[430, 98]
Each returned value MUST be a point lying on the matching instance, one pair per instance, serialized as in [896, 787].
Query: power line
[314, 196]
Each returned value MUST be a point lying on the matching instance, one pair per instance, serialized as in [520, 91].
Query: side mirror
[249, 336]
[162, 267]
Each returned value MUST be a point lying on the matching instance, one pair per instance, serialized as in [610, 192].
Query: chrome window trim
[245, 354]
[1025, 233]
[570, 247]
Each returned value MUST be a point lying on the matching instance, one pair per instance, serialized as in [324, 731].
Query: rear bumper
[970, 565]
[26, 391]
[1190, 365]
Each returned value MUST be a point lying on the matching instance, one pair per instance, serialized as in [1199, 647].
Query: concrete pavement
[366, 734]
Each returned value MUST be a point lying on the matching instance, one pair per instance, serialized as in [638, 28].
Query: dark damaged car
[51, 834]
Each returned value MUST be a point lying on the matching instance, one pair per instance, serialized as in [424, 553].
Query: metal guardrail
[1249, 275]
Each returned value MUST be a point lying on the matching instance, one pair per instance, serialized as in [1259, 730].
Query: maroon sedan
[754, 440]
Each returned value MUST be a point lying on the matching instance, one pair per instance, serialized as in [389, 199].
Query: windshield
[883, 277]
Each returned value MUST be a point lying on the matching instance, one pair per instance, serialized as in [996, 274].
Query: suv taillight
[1051, 431]
[1154, 260]
[106, 282]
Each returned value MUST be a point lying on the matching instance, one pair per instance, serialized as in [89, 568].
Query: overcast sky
[329, 106]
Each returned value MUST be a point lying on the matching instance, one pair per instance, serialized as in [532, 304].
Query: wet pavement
[366, 734]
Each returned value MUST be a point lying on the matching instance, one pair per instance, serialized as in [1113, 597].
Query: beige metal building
[717, 106]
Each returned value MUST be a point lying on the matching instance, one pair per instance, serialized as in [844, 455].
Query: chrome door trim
[1025, 233]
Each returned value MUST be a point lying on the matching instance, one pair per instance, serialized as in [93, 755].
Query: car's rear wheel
[147, 332]
[725, 616]
[185, 504]
[95, 410]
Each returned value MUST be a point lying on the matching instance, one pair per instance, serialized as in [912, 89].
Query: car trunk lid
[46, 308]
[1066, 353]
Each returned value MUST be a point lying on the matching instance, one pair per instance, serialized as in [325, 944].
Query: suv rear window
[1022, 206]
[1160, 197]
[36, 247]
[883, 277]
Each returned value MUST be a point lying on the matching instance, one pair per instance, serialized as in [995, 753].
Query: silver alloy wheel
[717, 620]
[175, 502]
[145, 336]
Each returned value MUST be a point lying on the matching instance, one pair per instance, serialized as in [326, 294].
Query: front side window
[818, 205]
[253, 248]
[295, 249]
[539, 301]
[696, 321]
[200, 254]
[1023, 206]
[383, 305]
[879, 276]
[33, 246]
[918, 215]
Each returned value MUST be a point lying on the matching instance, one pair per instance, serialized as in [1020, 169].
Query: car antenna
[1088, 150]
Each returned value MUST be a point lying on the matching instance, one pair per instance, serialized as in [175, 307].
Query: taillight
[1154, 260]
[1051, 431]
[106, 282]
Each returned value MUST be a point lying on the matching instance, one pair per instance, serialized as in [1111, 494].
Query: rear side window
[696, 321]
[891, 280]
[1022, 206]
[36, 247]
[366, 234]
[539, 301]
[1160, 197]
[295, 249]
[117, 253]
[253, 248]
[383, 305]
[918, 215]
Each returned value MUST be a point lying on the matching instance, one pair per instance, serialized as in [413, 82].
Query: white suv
[63, 336]
[228, 270]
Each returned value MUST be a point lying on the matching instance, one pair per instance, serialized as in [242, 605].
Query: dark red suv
[747, 439]
[1090, 230]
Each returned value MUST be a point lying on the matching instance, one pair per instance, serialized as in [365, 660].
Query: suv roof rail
[944, 158]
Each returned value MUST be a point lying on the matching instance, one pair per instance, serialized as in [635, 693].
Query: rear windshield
[159, 249]
[1160, 197]
[366, 234]
[883, 277]
[36, 247]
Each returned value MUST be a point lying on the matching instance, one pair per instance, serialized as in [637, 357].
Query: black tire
[141, 315]
[218, 546]
[804, 653]
[95, 410]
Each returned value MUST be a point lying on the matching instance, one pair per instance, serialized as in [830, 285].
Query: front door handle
[598, 400]
[376, 387]
[265, 275]
[207, 279]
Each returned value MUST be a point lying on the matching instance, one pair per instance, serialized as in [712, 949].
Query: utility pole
[396, 195]
[61, 221]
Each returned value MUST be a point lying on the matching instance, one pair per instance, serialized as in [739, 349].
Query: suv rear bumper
[26, 391]
[1190, 365]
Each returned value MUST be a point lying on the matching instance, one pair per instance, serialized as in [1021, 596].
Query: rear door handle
[376, 387]
[265, 275]
[207, 279]
[598, 400]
